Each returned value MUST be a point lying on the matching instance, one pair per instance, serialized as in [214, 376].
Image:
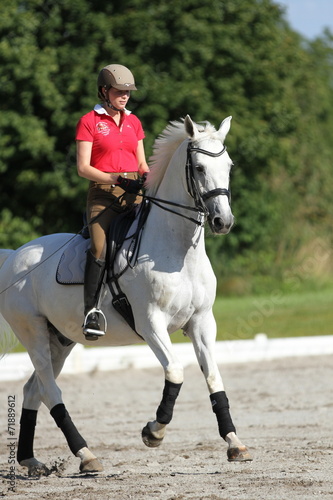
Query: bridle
[192, 189]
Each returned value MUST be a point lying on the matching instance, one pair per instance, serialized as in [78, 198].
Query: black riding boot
[93, 276]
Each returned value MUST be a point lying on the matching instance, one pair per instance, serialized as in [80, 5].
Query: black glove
[130, 185]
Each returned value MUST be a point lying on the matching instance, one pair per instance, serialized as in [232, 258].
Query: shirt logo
[103, 128]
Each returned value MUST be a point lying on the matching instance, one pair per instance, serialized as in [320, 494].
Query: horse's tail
[7, 338]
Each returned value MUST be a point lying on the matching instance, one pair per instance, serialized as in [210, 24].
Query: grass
[276, 314]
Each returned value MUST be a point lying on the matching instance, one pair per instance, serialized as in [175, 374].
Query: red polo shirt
[113, 147]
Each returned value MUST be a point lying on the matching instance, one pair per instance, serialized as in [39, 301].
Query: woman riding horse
[110, 154]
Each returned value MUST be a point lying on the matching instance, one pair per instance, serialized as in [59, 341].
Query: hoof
[90, 466]
[149, 439]
[239, 455]
[35, 468]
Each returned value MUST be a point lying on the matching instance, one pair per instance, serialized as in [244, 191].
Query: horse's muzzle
[219, 225]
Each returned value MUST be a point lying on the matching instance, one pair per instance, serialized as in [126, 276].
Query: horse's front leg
[202, 331]
[154, 432]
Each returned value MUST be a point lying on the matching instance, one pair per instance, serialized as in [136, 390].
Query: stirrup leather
[92, 331]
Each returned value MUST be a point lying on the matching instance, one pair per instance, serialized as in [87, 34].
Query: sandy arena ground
[283, 411]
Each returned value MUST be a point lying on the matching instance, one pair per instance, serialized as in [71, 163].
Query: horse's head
[208, 170]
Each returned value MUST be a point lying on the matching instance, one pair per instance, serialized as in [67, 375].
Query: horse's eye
[200, 169]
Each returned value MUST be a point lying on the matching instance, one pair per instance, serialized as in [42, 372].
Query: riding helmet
[116, 76]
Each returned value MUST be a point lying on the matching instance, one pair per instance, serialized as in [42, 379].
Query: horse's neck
[173, 185]
[171, 226]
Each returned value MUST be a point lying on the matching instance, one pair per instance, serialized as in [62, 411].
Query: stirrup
[91, 332]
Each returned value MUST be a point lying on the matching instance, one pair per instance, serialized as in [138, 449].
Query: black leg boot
[93, 277]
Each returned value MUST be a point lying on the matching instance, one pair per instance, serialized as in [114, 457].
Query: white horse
[171, 287]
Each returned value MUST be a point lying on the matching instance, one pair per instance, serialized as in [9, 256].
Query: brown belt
[125, 174]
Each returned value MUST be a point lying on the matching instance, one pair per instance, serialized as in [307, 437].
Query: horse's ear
[190, 127]
[224, 128]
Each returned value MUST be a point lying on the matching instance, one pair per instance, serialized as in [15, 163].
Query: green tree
[207, 58]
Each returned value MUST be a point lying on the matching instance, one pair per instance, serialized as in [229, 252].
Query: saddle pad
[70, 270]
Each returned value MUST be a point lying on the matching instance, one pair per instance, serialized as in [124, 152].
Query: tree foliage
[207, 58]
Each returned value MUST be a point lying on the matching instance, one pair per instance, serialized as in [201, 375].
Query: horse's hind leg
[88, 461]
[48, 361]
[32, 400]
[31, 404]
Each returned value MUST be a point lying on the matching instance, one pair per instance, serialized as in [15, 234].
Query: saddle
[70, 269]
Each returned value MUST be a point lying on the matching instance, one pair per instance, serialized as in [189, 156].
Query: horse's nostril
[218, 223]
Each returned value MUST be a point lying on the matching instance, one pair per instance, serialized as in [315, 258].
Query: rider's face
[118, 98]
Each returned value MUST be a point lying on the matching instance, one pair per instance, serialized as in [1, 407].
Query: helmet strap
[108, 103]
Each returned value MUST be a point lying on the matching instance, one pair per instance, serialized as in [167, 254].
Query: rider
[110, 154]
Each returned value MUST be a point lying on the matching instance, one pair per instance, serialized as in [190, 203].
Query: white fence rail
[18, 366]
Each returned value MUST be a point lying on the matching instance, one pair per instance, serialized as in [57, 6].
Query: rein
[158, 201]
[193, 190]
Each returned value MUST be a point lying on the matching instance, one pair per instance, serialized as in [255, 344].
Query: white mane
[164, 148]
